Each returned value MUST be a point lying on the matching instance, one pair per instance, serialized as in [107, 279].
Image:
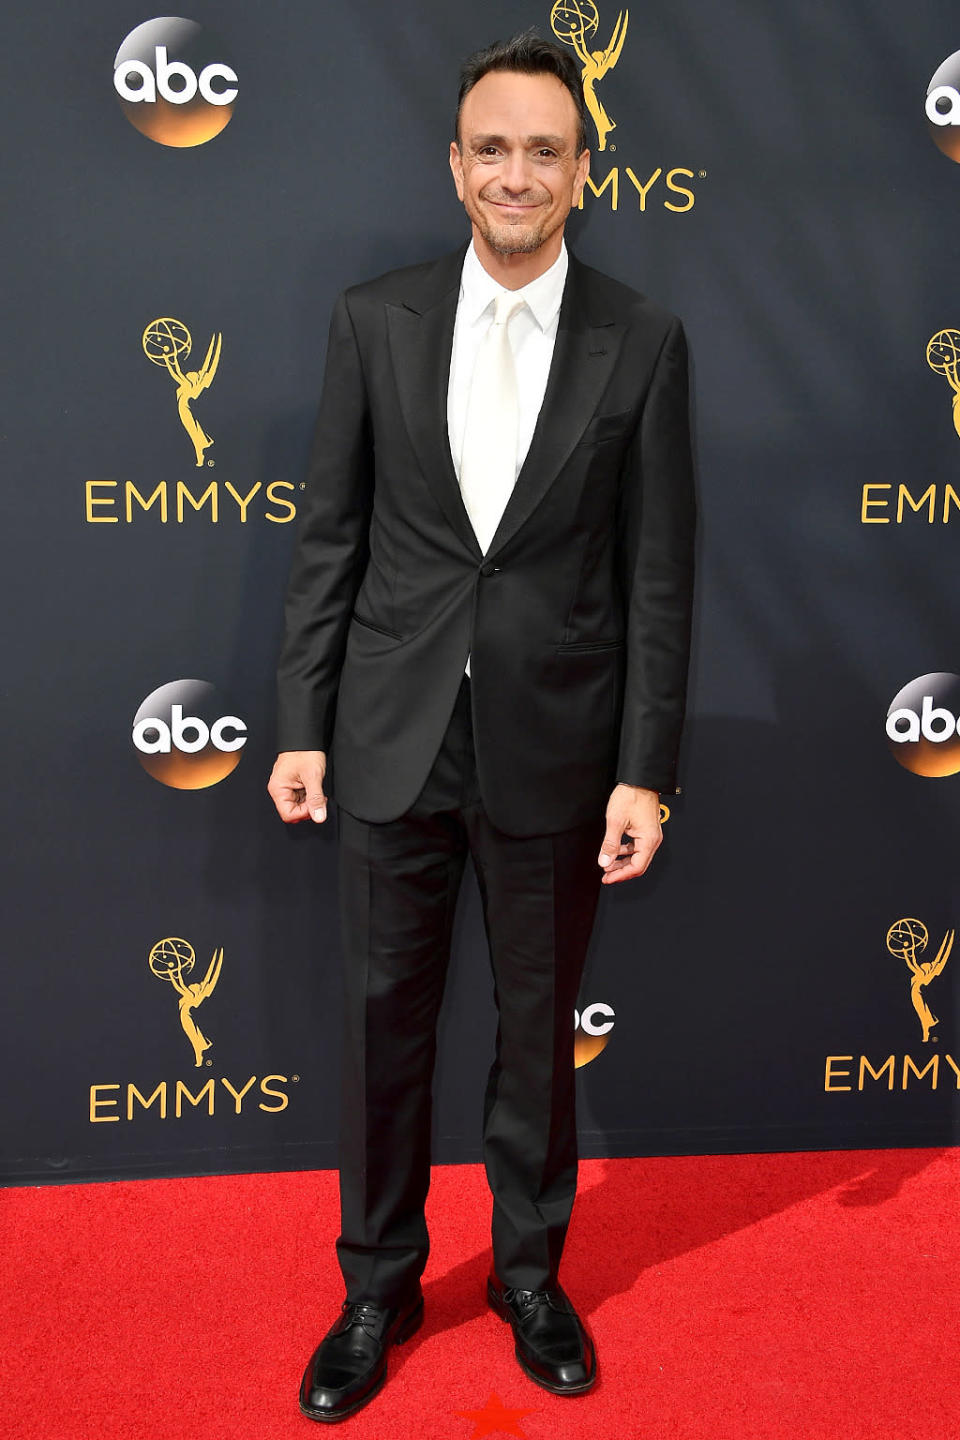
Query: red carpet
[800, 1296]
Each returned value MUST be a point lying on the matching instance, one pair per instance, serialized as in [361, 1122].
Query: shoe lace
[526, 1299]
[362, 1313]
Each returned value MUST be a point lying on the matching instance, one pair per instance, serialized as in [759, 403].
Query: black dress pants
[398, 886]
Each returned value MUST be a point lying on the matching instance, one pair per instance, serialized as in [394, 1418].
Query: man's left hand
[633, 812]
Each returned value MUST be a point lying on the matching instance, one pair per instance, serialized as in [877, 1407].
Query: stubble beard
[516, 239]
[506, 240]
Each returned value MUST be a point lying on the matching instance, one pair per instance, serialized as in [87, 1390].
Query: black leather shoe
[350, 1363]
[552, 1345]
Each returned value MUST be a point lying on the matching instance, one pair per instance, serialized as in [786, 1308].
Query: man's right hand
[296, 785]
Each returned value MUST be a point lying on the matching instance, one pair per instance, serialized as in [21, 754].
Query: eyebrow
[557, 142]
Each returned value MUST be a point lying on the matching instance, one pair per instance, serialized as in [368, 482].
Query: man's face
[516, 168]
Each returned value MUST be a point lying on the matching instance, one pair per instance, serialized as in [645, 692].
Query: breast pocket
[589, 647]
[603, 428]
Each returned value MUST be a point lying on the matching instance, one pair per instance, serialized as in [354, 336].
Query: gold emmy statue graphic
[164, 341]
[943, 357]
[171, 959]
[574, 22]
[907, 939]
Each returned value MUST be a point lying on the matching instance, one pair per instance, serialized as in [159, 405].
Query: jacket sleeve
[657, 534]
[331, 548]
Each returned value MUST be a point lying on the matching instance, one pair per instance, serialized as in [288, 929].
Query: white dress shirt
[532, 332]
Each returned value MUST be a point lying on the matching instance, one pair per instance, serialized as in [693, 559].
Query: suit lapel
[583, 360]
[421, 342]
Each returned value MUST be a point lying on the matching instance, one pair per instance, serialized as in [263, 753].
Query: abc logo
[183, 739]
[943, 107]
[172, 82]
[593, 1025]
[923, 725]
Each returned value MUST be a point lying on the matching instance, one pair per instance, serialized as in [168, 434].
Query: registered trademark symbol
[294, 1078]
[209, 1062]
[211, 463]
[303, 484]
[703, 174]
[613, 147]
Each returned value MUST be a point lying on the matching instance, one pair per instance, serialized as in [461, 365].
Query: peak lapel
[421, 341]
[583, 359]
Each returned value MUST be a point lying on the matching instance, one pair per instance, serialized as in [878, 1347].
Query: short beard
[504, 241]
[510, 239]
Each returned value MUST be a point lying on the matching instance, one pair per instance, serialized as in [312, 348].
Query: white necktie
[488, 461]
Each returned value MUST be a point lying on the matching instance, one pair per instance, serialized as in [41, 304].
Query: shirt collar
[478, 289]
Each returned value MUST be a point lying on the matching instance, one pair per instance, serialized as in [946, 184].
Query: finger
[289, 796]
[618, 862]
[316, 802]
[610, 848]
[296, 788]
[632, 865]
[623, 870]
[289, 807]
[635, 840]
[629, 869]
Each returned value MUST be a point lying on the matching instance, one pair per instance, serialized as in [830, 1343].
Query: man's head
[519, 159]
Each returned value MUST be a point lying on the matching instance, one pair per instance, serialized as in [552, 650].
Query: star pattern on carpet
[495, 1416]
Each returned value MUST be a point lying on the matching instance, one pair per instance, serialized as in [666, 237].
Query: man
[488, 624]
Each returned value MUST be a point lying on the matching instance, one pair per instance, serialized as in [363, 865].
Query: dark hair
[526, 54]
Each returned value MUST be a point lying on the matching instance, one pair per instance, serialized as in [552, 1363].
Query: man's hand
[635, 812]
[296, 785]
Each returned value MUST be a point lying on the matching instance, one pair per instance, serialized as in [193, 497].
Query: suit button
[489, 569]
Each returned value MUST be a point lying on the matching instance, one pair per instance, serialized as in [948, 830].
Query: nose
[515, 173]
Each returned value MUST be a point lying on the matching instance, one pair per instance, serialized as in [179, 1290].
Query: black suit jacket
[577, 619]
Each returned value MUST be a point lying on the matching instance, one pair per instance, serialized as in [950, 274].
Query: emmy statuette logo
[640, 184]
[172, 83]
[167, 344]
[932, 1069]
[171, 960]
[165, 341]
[907, 940]
[148, 1100]
[943, 357]
[575, 23]
[883, 503]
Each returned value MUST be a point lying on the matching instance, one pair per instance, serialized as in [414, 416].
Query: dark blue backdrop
[816, 260]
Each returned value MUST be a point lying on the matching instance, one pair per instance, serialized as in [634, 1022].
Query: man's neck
[519, 269]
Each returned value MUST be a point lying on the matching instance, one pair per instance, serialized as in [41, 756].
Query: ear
[580, 179]
[456, 168]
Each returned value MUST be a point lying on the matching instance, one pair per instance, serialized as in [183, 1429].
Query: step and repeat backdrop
[185, 198]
